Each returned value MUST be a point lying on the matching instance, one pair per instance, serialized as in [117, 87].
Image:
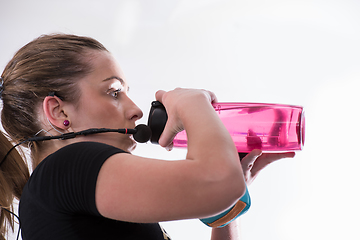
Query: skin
[99, 105]
[252, 165]
[207, 182]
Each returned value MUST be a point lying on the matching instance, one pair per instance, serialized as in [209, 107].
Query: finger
[159, 95]
[213, 98]
[169, 133]
[248, 161]
[268, 158]
[170, 147]
[166, 138]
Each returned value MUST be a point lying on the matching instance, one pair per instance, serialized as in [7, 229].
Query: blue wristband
[226, 217]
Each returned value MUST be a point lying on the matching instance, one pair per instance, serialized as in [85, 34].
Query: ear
[54, 111]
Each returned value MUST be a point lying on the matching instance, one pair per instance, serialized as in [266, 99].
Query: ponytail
[14, 173]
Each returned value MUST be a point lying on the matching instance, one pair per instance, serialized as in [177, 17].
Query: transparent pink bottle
[269, 127]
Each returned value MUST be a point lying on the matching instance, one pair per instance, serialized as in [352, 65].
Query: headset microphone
[141, 134]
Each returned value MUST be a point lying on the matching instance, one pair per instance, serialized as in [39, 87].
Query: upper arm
[137, 189]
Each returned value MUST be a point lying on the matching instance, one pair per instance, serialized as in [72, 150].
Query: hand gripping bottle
[268, 127]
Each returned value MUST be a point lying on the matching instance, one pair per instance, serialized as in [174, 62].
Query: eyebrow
[112, 77]
[118, 78]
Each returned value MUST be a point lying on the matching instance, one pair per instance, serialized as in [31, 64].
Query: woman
[90, 187]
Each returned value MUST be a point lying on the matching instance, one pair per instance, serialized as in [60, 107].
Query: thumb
[169, 133]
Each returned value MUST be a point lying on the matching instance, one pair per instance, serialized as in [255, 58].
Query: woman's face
[104, 103]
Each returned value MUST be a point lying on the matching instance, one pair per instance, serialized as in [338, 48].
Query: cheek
[102, 113]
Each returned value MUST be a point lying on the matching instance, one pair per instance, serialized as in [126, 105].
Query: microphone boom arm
[141, 134]
[84, 133]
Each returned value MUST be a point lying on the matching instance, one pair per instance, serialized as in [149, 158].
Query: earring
[66, 123]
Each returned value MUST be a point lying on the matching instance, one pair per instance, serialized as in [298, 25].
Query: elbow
[224, 201]
[234, 182]
[237, 187]
[222, 184]
[228, 191]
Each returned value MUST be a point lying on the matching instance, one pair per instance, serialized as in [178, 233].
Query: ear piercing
[66, 123]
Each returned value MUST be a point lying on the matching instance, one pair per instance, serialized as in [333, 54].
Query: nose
[133, 112]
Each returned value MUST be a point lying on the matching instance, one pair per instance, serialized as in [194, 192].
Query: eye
[115, 93]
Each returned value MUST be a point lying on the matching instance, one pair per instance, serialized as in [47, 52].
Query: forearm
[210, 144]
[229, 232]
[208, 139]
[212, 155]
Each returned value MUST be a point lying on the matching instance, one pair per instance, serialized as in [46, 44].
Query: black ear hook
[53, 94]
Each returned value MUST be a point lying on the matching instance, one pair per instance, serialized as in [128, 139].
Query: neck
[45, 148]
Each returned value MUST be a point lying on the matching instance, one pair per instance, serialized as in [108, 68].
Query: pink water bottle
[269, 127]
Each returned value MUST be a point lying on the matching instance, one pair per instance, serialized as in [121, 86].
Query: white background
[298, 52]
